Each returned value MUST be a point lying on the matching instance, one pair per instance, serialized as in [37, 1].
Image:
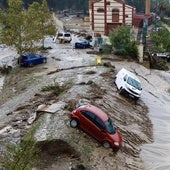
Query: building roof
[95, 110]
[118, 1]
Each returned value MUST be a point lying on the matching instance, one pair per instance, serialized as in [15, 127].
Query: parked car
[157, 29]
[31, 59]
[96, 123]
[165, 55]
[63, 37]
[83, 44]
[128, 83]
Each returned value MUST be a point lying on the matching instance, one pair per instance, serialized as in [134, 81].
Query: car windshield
[110, 127]
[134, 83]
[83, 41]
[67, 35]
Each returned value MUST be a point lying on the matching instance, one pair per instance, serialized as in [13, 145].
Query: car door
[37, 59]
[86, 121]
[32, 60]
[99, 129]
[93, 125]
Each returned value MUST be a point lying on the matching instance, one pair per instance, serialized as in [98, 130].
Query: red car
[96, 123]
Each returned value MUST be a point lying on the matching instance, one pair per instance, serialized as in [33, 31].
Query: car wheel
[114, 80]
[44, 60]
[121, 90]
[136, 99]
[30, 64]
[106, 144]
[74, 123]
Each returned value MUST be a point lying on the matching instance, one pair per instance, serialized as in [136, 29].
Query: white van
[127, 82]
[64, 36]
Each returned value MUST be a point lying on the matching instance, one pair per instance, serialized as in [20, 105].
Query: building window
[100, 10]
[108, 3]
[126, 16]
[115, 15]
[115, 10]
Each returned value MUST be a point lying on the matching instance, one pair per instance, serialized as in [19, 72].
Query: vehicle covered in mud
[82, 44]
[128, 83]
[96, 123]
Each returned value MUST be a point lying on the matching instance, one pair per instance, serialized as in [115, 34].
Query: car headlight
[126, 86]
[116, 143]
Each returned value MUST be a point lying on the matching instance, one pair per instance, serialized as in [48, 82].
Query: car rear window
[67, 35]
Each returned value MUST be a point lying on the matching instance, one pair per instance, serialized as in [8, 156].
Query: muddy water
[157, 154]
[156, 95]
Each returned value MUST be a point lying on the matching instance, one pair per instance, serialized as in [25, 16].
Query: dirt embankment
[87, 84]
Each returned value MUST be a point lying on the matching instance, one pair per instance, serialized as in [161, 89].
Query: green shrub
[22, 156]
[106, 49]
[159, 63]
[55, 88]
[120, 52]
[123, 42]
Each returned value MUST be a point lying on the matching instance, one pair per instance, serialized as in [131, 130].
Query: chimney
[147, 7]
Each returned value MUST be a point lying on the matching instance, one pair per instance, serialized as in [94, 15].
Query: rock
[53, 108]
[16, 134]
[32, 118]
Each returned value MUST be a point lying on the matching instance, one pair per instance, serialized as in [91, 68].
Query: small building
[105, 15]
[139, 18]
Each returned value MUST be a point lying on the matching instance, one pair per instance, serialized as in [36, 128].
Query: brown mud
[77, 150]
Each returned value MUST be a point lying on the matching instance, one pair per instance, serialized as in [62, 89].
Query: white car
[63, 37]
[162, 55]
[127, 82]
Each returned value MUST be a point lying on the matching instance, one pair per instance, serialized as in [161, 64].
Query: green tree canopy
[161, 40]
[23, 29]
[123, 42]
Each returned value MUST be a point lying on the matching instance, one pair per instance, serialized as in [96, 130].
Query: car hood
[117, 137]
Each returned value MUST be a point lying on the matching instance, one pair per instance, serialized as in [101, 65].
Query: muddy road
[86, 83]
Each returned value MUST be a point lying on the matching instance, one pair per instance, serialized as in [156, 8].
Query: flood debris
[53, 108]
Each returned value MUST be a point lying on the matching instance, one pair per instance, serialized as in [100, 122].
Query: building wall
[97, 19]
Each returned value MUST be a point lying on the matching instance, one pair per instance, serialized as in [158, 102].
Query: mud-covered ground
[63, 148]
[84, 82]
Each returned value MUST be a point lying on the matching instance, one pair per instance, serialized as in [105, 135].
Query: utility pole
[147, 7]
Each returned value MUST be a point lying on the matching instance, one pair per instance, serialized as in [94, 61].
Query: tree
[161, 40]
[23, 29]
[12, 32]
[43, 23]
[123, 42]
[46, 26]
